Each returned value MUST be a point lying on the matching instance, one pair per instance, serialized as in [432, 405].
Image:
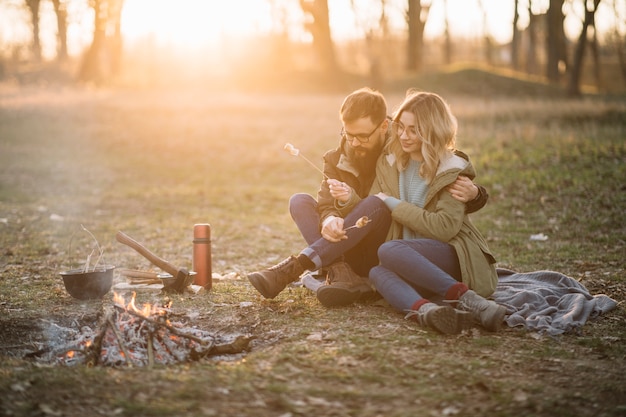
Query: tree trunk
[103, 57]
[448, 39]
[531, 58]
[556, 40]
[33, 7]
[416, 16]
[516, 39]
[319, 28]
[94, 67]
[60, 11]
[573, 88]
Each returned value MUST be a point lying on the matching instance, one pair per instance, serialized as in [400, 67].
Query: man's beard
[364, 160]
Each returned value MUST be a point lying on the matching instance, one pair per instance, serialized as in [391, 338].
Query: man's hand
[339, 190]
[332, 229]
[463, 189]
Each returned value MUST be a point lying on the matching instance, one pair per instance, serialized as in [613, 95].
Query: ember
[145, 336]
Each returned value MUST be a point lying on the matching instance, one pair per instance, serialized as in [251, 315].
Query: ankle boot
[444, 319]
[489, 314]
[343, 287]
[270, 282]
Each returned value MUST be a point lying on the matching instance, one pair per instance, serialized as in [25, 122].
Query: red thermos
[202, 255]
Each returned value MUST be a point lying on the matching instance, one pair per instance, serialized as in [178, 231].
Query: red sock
[456, 291]
[416, 305]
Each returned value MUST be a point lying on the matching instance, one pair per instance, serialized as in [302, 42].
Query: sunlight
[193, 23]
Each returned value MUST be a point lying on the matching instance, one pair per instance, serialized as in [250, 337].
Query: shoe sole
[449, 320]
[331, 296]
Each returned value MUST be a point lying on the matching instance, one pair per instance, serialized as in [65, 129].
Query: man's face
[365, 141]
[363, 136]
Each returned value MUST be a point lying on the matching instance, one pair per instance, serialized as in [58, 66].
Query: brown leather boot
[270, 282]
[343, 287]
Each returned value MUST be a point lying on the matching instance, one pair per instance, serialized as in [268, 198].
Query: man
[346, 252]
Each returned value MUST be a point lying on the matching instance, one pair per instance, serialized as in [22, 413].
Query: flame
[70, 354]
[146, 310]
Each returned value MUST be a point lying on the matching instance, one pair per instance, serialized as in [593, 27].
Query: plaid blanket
[547, 301]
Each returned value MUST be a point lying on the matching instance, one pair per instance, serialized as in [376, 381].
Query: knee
[300, 200]
[387, 250]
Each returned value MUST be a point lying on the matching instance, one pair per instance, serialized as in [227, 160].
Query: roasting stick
[296, 152]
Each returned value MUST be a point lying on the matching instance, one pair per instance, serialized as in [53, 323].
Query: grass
[155, 163]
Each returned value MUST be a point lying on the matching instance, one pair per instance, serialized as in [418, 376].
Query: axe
[182, 277]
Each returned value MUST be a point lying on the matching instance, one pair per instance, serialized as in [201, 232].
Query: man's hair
[364, 102]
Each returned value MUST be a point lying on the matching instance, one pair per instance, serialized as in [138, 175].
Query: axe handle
[143, 251]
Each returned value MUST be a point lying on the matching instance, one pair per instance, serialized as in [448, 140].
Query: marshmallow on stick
[296, 152]
[362, 222]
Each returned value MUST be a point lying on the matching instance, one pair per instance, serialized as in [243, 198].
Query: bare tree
[486, 36]
[377, 37]
[416, 16]
[60, 10]
[534, 21]
[555, 40]
[515, 41]
[446, 34]
[33, 8]
[573, 87]
[319, 28]
[102, 59]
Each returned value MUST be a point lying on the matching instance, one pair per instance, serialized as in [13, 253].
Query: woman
[433, 249]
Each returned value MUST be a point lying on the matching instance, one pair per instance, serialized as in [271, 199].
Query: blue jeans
[413, 269]
[359, 250]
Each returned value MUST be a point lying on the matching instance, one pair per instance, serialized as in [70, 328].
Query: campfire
[131, 336]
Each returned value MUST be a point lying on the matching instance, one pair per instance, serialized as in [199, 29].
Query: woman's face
[410, 139]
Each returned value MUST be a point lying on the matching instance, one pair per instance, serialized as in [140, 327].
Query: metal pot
[90, 285]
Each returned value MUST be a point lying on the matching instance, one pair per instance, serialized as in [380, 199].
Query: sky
[196, 23]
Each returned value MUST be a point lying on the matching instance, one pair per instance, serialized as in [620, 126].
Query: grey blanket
[544, 301]
[547, 301]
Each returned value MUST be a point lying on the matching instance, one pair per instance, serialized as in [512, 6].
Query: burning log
[133, 337]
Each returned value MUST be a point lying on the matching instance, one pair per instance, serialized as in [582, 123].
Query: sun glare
[193, 23]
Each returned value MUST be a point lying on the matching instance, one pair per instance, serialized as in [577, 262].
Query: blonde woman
[436, 265]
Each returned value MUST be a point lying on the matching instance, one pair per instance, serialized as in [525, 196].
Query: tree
[486, 36]
[33, 8]
[555, 40]
[446, 34]
[60, 10]
[416, 16]
[515, 41]
[573, 87]
[102, 59]
[319, 27]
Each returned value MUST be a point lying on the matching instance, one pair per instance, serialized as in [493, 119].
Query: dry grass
[154, 163]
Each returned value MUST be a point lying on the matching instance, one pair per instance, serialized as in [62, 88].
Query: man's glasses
[399, 129]
[363, 138]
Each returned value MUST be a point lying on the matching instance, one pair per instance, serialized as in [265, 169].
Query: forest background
[309, 44]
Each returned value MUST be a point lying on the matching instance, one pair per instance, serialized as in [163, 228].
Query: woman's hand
[339, 190]
[381, 195]
[463, 189]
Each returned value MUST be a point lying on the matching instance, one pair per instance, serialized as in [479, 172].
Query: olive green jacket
[443, 218]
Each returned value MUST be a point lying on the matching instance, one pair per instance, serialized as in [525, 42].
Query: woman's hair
[364, 102]
[435, 124]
